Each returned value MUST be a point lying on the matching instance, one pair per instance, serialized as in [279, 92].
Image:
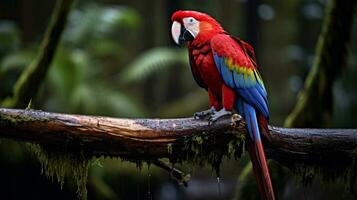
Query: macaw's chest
[205, 66]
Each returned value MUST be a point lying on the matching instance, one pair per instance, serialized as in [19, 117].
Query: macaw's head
[193, 26]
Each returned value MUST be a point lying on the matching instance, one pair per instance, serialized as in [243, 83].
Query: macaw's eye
[190, 20]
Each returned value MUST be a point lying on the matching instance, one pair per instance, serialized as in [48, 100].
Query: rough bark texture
[104, 135]
[172, 138]
[29, 82]
[314, 106]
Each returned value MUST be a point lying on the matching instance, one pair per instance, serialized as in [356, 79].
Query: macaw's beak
[180, 34]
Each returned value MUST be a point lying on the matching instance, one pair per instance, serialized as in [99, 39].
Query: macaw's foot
[205, 113]
[217, 115]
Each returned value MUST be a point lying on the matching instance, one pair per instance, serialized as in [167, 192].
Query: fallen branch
[158, 138]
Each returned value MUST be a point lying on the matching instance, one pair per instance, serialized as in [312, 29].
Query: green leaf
[17, 60]
[152, 61]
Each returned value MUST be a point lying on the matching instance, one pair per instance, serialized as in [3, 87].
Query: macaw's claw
[217, 115]
[205, 113]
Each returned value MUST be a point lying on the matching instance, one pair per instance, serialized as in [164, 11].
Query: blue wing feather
[258, 100]
[217, 60]
[227, 74]
[238, 79]
[253, 123]
[249, 88]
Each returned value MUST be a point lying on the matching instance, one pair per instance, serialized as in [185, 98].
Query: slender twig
[180, 176]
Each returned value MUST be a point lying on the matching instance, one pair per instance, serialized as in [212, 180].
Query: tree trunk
[314, 106]
[29, 82]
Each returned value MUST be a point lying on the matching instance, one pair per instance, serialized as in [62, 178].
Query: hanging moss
[351, 175]
[58, 164]
[339, 171]
[169, 148]
[201, 149]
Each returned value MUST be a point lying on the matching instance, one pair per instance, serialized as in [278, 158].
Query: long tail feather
[256, 151]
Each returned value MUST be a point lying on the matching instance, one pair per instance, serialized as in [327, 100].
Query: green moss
[235, 147]
[344, 172]
[199, 149]
[138, 163]
[57, 164]
[16, 119]
[351, 175]
[198, 139]
[205, 149]
[169, 148]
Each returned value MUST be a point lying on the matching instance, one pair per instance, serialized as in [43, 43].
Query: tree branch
[103, 135]
[29, 82]
[315, 101]
[157, 138]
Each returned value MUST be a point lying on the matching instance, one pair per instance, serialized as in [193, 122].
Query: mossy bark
[315, 102]
[31, 78]
[184, 139]
[55, 164]
[329, 151]
[178, 139]
[61, 151]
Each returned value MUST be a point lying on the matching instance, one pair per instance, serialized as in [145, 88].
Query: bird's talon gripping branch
[217, 115]
[235, 119]
[205, 113]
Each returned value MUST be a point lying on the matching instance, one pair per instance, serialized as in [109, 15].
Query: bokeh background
[116, 58]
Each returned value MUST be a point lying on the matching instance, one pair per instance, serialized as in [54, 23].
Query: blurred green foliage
[151, 61]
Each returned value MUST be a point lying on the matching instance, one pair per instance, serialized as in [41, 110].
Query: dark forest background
[116, 58]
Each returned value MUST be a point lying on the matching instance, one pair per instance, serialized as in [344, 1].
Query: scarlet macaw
[226, 67]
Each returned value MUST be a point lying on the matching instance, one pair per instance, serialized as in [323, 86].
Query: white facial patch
[192, 25]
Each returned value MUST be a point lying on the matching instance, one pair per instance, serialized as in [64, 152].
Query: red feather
[260, 168]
